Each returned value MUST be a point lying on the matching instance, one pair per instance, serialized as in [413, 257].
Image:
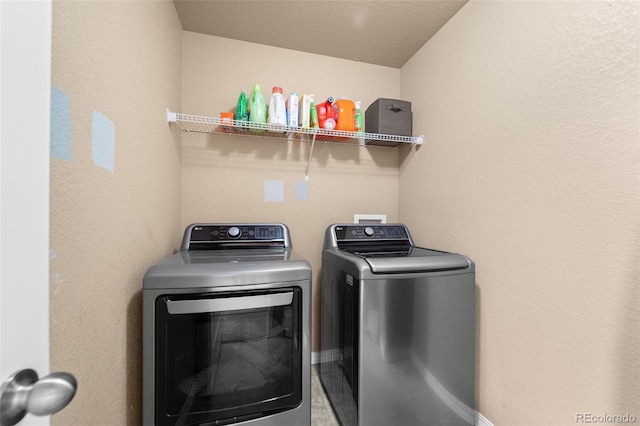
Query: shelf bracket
[313, 144]
[172, 117]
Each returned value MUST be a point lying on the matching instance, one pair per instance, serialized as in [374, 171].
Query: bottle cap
[276, 89]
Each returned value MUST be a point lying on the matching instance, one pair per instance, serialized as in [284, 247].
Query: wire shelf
[202, 124]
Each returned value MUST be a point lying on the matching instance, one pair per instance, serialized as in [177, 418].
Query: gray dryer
[227, 331]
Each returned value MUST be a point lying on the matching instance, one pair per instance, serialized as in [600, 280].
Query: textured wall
[531, 168]
[223, 177]
[115, 193]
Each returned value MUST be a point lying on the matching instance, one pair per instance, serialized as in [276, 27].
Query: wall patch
[301, 190]
[273, 191]
[103, 141]
[60, 127]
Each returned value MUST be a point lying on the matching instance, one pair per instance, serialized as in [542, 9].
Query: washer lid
[397, 260]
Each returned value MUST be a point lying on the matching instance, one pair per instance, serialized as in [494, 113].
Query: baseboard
[482, 420]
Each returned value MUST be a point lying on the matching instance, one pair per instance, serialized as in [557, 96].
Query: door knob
[23, 393]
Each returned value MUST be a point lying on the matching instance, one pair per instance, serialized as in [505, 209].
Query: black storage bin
[389, 117]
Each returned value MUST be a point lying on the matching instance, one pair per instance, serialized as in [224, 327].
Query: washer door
[223, 356]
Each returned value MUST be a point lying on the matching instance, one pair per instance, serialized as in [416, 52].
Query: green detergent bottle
[242, 115]
[359, 123]
[314, 114]
[257, 107]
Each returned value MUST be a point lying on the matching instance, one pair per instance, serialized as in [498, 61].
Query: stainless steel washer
[226, 330]
[398, 327]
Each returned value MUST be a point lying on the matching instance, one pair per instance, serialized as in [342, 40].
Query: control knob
[233, 232]
[368, 231]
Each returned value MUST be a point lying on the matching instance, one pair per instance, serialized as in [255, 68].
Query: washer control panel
[371, 232]
[214, 235]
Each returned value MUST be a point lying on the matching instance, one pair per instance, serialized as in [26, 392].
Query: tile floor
[321, 411]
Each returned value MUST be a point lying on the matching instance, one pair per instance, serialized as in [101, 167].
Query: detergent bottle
[313, 122]
[277, 109]
[346, 111]
[257, 107]
[326, 114]
[358, 121]
[241, 115]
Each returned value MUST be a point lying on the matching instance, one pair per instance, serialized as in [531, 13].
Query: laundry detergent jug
[277, 113]
[257, 107]
[326, 114]
[346, 112]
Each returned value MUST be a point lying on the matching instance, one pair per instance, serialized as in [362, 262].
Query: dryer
[398, 329]
[226, 330]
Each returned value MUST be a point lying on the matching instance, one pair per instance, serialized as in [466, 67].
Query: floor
[321, 411]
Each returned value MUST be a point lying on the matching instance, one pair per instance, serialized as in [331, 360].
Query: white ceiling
[381, 32]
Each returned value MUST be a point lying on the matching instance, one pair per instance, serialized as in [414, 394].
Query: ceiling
[381, 32]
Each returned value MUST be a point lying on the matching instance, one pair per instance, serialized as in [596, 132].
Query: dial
[233, 232]
[368, 231]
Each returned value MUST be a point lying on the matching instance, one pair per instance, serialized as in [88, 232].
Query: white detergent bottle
[277, 109]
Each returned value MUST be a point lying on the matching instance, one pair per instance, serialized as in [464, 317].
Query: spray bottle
[359, 123]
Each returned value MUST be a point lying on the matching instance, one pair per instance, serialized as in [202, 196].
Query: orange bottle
[346, 111]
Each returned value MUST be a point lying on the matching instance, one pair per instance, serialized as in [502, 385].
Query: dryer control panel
[211, 236]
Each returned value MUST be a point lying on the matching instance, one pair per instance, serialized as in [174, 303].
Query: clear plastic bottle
[277, 110]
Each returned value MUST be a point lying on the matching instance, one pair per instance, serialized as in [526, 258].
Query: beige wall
[121, 59]
[223, 177]
[531, 167]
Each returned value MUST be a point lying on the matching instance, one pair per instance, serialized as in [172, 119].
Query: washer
[398, 329]
[226, 330]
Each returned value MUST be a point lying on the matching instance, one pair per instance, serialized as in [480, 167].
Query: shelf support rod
[313, 144]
